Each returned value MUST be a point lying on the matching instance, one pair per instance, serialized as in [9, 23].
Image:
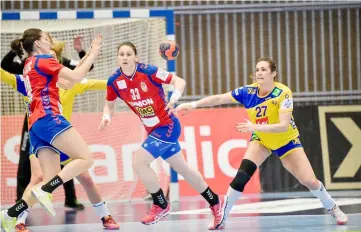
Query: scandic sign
[209, 141]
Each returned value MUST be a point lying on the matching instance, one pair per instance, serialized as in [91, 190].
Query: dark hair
[129, 44]
[26, 42]
[271, 63]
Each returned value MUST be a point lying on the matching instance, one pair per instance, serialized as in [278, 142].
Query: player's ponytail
[17, 47]
[26, 43]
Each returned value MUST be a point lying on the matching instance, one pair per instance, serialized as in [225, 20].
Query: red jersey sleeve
[111, 95]
[49, 66]
[159, 75]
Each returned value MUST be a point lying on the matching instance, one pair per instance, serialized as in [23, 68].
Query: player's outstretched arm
[179, 85]
[214, 100]
[108, 112]
[79, 73]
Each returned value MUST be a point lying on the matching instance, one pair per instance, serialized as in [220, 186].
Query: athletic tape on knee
[243, 175]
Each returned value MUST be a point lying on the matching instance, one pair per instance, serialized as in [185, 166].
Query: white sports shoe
[340, 216]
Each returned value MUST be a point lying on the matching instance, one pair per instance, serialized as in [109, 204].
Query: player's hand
[170, 107]
[78, 46]
[245, 126]
[97, 43]
[104, 123]
[184, 108]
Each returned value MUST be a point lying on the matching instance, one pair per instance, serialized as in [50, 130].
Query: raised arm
[79, 73]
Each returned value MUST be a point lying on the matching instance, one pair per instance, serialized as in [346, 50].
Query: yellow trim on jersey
[233, 99]
[257, 85]
[290, 151]
[66, 161]
[32, 155]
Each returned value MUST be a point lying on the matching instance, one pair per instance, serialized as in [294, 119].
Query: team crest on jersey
[276, 92]
[251, 91]
[274, 102]
[143, 86]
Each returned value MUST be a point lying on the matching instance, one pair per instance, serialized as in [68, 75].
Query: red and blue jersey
[41, 78]
[143, 93]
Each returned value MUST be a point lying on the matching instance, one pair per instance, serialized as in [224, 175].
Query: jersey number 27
[261, 111]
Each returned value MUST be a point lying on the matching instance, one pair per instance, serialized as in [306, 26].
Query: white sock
[22, 217]
[322, 194]
[233, 196]
[101, 209]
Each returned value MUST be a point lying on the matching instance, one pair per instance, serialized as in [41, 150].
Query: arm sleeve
[111, 94]
[237, 94]
[286, 102]
[49, 66]
[9, 65]
[91, 84]
[14, 80]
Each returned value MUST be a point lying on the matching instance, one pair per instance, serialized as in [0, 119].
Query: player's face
[53, 54]
[263, 73]
[43, 44]
[126, 57]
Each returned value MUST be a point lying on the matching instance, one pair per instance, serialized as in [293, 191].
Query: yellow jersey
[266, 110]
[67, 97]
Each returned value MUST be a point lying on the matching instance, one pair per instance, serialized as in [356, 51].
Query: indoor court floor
[267, 212]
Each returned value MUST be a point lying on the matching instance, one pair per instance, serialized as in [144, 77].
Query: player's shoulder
[146, 68]
[44, 58]
[282, 87]
[114, 76]
[250, 89]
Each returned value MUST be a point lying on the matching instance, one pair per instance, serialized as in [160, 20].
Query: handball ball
[169, 50]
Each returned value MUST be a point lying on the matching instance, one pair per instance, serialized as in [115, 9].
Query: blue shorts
[282, 151]
[163, 141]
[44, 131]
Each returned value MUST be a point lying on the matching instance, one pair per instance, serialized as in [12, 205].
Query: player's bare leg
[71, 143]
[299, 166]
[195, 179]
[101, 209]
[255, 155]
[36, 178]
[160, 208]
[8, 217]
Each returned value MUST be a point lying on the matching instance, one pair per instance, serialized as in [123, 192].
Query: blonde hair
[58, 47]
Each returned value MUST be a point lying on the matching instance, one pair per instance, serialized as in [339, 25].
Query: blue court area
[268, 212]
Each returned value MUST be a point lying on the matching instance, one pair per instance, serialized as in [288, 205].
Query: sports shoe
[21, 227]
[340, 216]
[218, 211]
[155, 214]
[44, 199]
[109, 223]
[74, 204]
[7, 222]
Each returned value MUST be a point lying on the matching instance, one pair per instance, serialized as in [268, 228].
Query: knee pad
[244, 174]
